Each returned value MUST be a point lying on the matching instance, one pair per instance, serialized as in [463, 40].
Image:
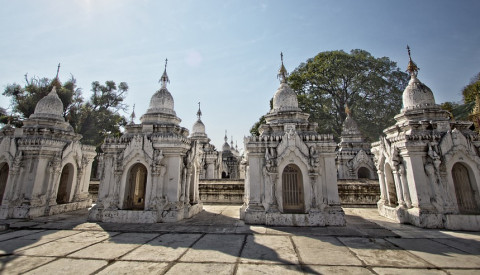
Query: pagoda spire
[282, 72]
[199, 112]
[58, 70]
[412, 68]
[56, 81]
[164, 79]
[226, 138]
[132, 116]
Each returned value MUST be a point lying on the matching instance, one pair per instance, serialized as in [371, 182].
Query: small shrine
[151, 172]
[44, 169]
[428, 164]
[354, 159]
[290, 169]
[209, 155]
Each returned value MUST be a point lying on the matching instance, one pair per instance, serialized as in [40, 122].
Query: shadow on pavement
[217, 235]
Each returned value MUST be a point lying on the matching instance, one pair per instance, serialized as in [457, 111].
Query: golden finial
[412, 68]
[347, 110]
[282, 73]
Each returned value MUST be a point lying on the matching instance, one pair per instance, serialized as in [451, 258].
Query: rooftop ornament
[164, 79]
[199, 113]
[412, 68]
[282, 72]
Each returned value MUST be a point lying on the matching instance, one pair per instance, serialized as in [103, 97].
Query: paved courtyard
[217, 242]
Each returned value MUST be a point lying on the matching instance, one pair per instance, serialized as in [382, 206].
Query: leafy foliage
[100, 116]
[94, 119]
[470, 91]
[24, 99]
[371, 87]
[254, 130]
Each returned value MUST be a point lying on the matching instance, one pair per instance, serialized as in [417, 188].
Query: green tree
[371, 87]
[3, 116]
[100, 116]
[254, 130]
[470, 91]
[24, 99]
[94, 119]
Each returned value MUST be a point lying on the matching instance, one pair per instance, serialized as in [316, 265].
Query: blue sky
[226, 54]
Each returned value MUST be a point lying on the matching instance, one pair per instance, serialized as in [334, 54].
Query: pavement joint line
[352, 252]
[412, 254]
[22, 235]
[45, 242]
[360, 230]
[177, 260]
[94, 243]
[297, 253]
[237, 262]
[371, 267]
[435, 240]
[66, 256]
[56, 259]
[20, 249]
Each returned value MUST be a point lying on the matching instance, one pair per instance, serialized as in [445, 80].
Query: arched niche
[465, 189]
[4, 171]
[135, 188]
[293, 197]
[66, 179]
[390, 184]
[225, 175]
[363, 173]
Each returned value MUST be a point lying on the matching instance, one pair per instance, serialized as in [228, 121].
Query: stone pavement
[216, 242]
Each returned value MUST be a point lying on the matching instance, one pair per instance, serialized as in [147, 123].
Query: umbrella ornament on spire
[282, 72]
[412, 68]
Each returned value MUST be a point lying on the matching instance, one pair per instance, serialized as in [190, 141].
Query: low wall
[352, 193]
[93, 189]
[222, 191]
[359, 193]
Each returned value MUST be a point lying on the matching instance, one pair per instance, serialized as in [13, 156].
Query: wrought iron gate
[292, 188]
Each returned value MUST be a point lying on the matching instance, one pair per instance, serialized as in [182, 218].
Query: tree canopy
[100, 115]
[94, 119]
[371, 87]
[470, 91]
[24, 99]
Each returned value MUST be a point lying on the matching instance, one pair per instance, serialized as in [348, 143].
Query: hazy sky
[226, 54]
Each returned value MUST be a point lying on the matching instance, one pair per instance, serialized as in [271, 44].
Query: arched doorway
[292, 190]
[463, 189]
[225, 175]
[4, 170]
[66, 179]
[390, 183]
[363, 173]
[136, 187]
